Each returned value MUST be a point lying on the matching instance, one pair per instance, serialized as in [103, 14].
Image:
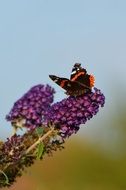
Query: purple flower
[29, 110]
[13, 147]
[73, 111]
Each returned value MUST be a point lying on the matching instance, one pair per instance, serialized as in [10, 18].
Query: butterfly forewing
[80, 75]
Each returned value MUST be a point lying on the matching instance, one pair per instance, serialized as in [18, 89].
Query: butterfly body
[79, 83]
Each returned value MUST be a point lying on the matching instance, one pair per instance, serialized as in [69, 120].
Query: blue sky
[43, 37]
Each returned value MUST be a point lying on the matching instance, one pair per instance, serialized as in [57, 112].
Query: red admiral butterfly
[79, 83]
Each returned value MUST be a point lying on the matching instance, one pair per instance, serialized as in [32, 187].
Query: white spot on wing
[69, 84]
[56, 80]
[73, 72]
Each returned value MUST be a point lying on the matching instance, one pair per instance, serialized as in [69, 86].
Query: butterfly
[79, 83]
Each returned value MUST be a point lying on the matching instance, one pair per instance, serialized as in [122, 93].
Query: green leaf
[40, 150]
[6, 178]
[39, 131]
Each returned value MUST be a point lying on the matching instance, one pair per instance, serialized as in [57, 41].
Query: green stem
[38, 141]
[6, 178]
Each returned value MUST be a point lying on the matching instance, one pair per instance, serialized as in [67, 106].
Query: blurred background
[43, 37]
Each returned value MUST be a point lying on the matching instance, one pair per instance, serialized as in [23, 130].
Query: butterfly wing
[76, 70]
[72, 87]
[80, 75]
[62, 82]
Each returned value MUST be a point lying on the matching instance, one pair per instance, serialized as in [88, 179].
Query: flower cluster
[73, 111]
[49, 125]
[28, 111]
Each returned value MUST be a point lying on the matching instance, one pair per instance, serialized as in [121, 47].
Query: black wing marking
[76, 70]
[72, 87]
[80, 75]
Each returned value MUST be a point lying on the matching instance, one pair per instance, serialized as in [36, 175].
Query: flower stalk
[39, 140]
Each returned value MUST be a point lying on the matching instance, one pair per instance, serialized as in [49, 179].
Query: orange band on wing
[77, 75]
[92, 80]
[63, 83]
